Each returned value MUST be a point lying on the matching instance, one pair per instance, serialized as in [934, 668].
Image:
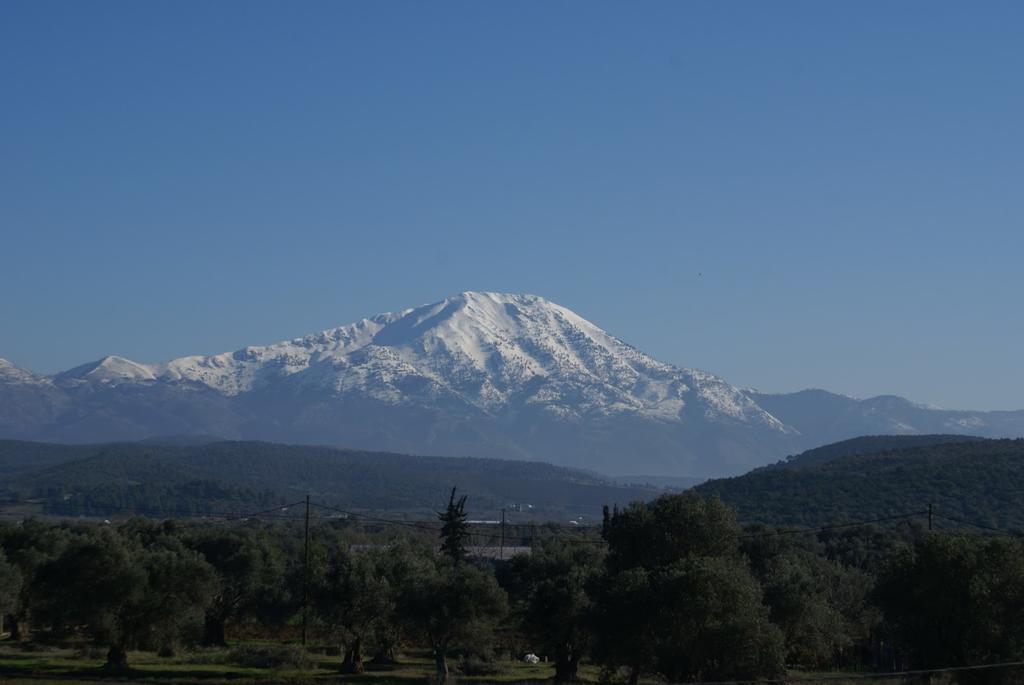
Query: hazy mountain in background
[481, 374]
[823, 417]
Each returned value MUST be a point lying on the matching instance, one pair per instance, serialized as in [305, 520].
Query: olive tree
[453, 605]
[28, 546]
[247, 569]
[677, 597]
[124, 594]
[956, 601]
[354, 600]
[549, 589]
[10, 588]
[821, 605]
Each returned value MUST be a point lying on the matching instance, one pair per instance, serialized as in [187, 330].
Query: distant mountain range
[478, 374]
[822, 417]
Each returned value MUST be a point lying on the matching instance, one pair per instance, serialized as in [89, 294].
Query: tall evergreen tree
[454, 529]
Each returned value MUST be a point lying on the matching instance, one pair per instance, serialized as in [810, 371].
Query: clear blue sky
[788, 194]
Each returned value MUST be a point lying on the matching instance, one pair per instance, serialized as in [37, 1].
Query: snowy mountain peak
[478, 373]
[497, 332]
[9, 373]
[109, 369]
[487, 352]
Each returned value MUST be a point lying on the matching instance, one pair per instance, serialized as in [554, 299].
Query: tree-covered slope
[978, 481]
[868, 444]
[211, 476]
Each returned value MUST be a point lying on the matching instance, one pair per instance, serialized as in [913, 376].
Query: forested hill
[978, 482]
[868, 444]
[224, 476]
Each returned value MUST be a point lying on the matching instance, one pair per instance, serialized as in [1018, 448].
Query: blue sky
[789, 194]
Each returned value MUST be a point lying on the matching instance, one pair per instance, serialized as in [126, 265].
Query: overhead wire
[980, 526]
[423, 525]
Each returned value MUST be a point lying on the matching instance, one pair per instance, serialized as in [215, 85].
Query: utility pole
[501, 549]
[305, 577]
[929, 516]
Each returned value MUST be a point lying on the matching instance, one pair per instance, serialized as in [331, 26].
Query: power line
[266, 511]
[275, 513]
[376, 519]
[978, 525]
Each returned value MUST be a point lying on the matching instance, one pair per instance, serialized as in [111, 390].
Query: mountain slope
[867, 444]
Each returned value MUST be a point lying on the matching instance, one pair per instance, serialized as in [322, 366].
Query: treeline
[192, 498]
[673, 589]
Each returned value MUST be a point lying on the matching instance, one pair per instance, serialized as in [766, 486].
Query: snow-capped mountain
[11, 374]
[482, 374]
[490, 350]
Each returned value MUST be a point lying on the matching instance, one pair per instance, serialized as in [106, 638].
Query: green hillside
[868, 444]
[235, 476]
[977, 481]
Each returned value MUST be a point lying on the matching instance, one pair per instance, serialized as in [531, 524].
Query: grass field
[36, 664]
[33, 664]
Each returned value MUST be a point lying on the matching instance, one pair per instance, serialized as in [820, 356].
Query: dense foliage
[677, 598]
[976, 482]
[956, 601]
[868, 444]
[674, 590]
